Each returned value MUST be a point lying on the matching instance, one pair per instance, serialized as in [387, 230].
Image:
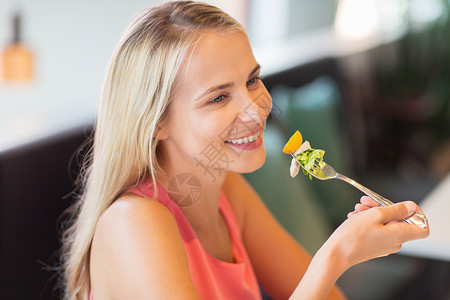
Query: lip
[249, 145]
[249, 134]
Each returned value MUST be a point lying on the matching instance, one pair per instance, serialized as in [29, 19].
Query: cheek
[264, 101]
[217, 123]
[203, 131]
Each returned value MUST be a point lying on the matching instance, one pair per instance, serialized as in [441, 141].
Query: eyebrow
[255, 69]
[226, 85]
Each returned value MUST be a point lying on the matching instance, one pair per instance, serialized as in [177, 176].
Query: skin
[137, 251]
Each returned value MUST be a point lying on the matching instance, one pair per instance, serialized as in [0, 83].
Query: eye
[217, 99]
[253, 81]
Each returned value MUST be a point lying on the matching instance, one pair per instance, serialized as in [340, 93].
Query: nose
[255, 108]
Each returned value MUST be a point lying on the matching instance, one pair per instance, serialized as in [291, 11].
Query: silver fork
[324, 171]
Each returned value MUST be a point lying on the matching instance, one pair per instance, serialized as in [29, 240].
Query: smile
[245, 140]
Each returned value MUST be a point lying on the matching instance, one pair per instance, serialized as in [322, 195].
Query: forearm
[321, 275]
[366, 235]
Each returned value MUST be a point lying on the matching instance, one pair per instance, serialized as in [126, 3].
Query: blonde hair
[143, 75]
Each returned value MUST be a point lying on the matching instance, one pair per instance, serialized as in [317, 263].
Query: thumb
[399, 211]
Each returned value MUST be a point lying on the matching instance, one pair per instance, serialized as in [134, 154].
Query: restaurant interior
[366, 80]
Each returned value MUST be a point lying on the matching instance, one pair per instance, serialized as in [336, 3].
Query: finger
[407, 232]
[361, 207]
[366, 200]
[398, 211]
[418, 210]
[358, 208]
[413, 232]
[413, 208]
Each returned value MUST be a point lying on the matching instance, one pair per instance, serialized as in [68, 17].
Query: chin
[252, 163]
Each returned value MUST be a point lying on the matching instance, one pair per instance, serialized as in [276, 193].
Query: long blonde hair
[143, 75]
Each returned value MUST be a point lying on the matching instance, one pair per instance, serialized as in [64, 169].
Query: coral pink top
[213, 278]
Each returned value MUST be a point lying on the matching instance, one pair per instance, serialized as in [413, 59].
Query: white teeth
[246, 139]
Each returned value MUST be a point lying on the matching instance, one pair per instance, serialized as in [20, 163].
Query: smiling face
[218, 115]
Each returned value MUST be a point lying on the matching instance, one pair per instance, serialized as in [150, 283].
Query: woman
[165, 213]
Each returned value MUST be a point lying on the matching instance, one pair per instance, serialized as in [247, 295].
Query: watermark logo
[185, 189]
[213, 161]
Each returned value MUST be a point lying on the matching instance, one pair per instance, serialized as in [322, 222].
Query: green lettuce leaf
[309, 157]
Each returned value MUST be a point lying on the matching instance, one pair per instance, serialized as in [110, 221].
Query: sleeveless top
[212, 278]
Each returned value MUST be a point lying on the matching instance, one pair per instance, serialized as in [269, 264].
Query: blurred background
[366, 80]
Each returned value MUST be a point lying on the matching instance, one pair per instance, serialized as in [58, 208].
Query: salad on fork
[302, 155]
[311, 161]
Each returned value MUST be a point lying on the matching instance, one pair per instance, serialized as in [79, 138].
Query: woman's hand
[372, 231]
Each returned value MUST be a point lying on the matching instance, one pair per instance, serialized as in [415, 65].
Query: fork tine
[315, 169]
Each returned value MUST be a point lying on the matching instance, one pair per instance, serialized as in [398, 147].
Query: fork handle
[416, 219]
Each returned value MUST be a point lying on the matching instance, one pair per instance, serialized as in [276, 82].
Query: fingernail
[410, 207]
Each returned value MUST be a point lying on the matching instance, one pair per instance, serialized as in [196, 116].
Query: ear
[161, 132]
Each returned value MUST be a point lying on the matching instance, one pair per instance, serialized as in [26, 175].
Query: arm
[279, 261]
[137, 253]
[282, 266]
[368, 233]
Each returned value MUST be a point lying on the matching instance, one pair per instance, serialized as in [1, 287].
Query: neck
[197, 194]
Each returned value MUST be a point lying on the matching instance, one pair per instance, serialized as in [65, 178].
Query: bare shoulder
[130, 210]
[134, 219]
[137, 250]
